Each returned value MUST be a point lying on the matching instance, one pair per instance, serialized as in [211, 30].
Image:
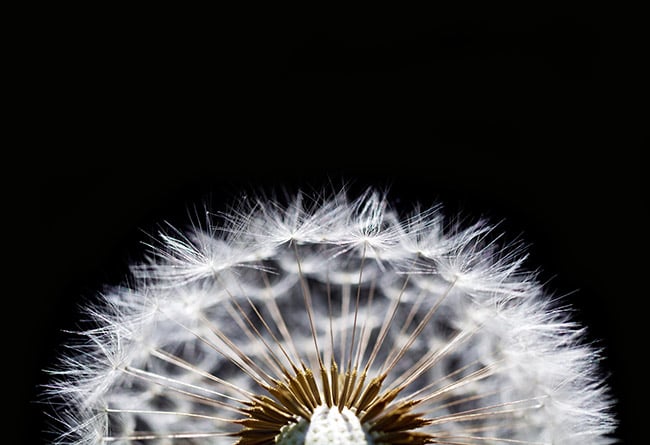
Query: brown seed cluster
[299, 395]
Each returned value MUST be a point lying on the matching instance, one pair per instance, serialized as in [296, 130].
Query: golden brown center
[300, 394]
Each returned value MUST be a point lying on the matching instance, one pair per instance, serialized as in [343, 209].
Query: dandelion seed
[331, 321]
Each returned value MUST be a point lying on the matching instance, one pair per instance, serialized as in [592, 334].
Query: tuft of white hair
[215, 314]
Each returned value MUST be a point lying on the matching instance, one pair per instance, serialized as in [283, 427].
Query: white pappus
[331, 320]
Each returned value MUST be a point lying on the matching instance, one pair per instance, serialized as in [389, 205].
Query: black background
[529, 119]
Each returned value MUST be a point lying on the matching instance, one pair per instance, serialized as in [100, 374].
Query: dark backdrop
[529, 120]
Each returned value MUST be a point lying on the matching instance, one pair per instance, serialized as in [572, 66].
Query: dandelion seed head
[331, 320]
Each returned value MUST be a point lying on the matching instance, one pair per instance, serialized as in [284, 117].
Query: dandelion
[331, 320]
